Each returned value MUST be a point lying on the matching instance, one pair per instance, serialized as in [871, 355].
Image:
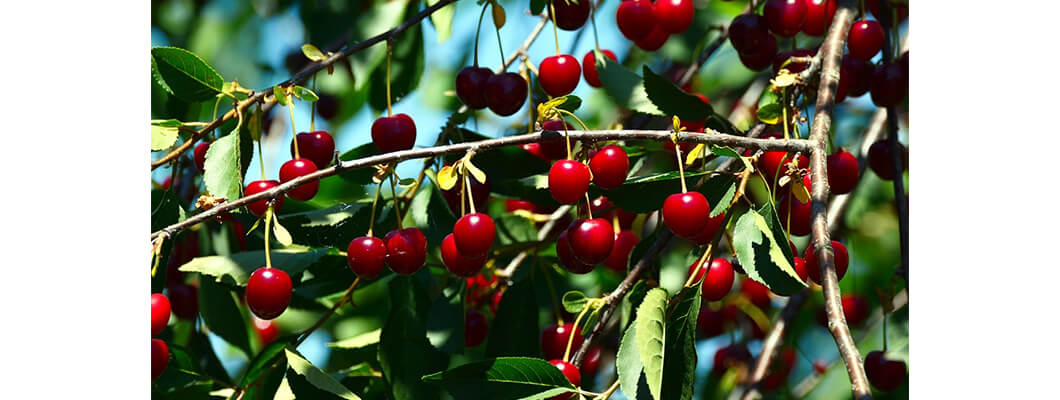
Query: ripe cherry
[394, 133]
[474, 234]
[774, 163]
[317, 146]
[795, 215]
[635, 19]
[855, 78]
[799, 265]
[159, 313]
[184, 300]
[480, 192]
[406, 250]
[756, 292]
[567, 258]
[855, 309]
[591, 240]
[819, 14]
[706, 236]
[559, 75]
[865, 39]
[294, 169]
[478, 287]
[365, 256]
[718, 280]
[591, 362]
[885, 375]
[655, 39]
[841, 260]
[762, 57]
[785, 17]
[673, 16]
[266, 330]
[711, 322]
[568, 180]
[889, 85]
[842, 172]
[268, 292]
[568, 370]
[327, 106]
[686, 214]
[475, 328]
[592, 76]
[882, 162]
[159, 357]
[749, 33]
[259, 207]
[555, 337]
[730, 356]
[555, 149]
[571, 14]
[200, 155]
[456, 262]
[793, 67]
[471, 86]
[610, 166]
[505, 93]
[618, 260]
[513, 205]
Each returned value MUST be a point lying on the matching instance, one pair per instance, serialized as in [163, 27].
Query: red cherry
[793, 67]
[394, 133]
[779, 371]
[889, 85]
[475, 328]
[855, 309]
[591, 362]
[555, 149]
[610, 166]
[673, 16]
[478, 287]
[774, 163]
[474, 234]
[480, 192]
[559, 75]
[406, 250]
[555, 337]
[749, 33]
[635, 19]
[798, 223]
[625, 218]
[566, 256]
[259, 207]
[513, 205]
[730, 356]
[882, 162]
[200, 155]
[159, 313]
[855, 78]
[456, 262]
[571, 15]
[885, 375]
[706, 236]
[365, 256]
[266, 330]
[819, 15]
[568, 370]
[799, 264]
[317, 146]
[711, 322]
[505, 93]
[785, 17]
[159, 358]
[625, 241]
[568, 180]
[655, 39]
[327, 106]
[591, 240]
[841, 261]
[471, 86]
[865, 39]
[296, 168]
[764, 56]
[184, 300]
[756, 292]
[686, 214]
[842, 172]
[592, 76]
[718, 279]
[268, 292]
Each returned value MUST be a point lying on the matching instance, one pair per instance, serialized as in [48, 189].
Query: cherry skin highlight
[474, 234]
[394, 133]
[686, 214]
[674, 16]
[259, 207]
[296, 168]
[609, 166]
[568, 180]
[366, 256]
[559, 75]
[268, 292]
[555, 337]
[471, 86]
[406, 250]
[591, 240]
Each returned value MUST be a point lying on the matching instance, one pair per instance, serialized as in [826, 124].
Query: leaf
[447, 177]
[695, 153]
[725, 151]
[430, 210]
[680, 361]
[363, 340]
[784, 77]
[625, 87]
[226, 163]
[221, 313]
[235, 269]
[475, 172]
[162, 137]
[316, 377]
[769, 113]
[671, 100]
[574, 301]
[280, 94]
[570, 103]
[442, 20]
[651, 338]
[313, 53]
[445, 319]
[184, 74]
[515, 329]
[305, 94]
[499, 161]
[628, 365]
[168, 123]
[765, 254]
[498, 14]
[361, 176]
[269, 363]
[538, 6]
[503, 378]
[514, 229]
[645, 194]
[280, 232]
[405, 354]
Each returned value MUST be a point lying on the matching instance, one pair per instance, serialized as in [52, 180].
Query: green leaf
[645, 194]
[235, 269]
[361, 176]
[769, 113]
[574, 301]
[538, 6]
[764, 253]
[671, 100]
[499, 161]
[363, 340]
[225, 165]
[429, 209]
[503, 378]
[725, 151]
[406, 69]
[651, 338]
[371, 22]
[316, 377]
[570, 103]
[625, 87]
[221, 313]
[262, 362]
[268, 367]
[280, 94]
[163, 137]
[630, 369]
[515, 330]
[168, 123]
[445, 319]
[405, 355]
[442, 19]
[512, 229]
[305, 94]
[719, 191]
[312, 52]
[680, 362]
[184, 74]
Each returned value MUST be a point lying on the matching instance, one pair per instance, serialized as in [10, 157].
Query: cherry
[159, 357]
[842, 172]
[566, 256]
[456, 262]
[785, 17]
[718, 279]
[591, 362]
[568, 370]
[655, 39]
[625, 218]
[841, 261]
[295, 168]
[200, 155]
[779, 371]
[855, 309]
[706, 235]
[774, 163]
[763, 57]
[635, 19]
[327, 106]
[259, 207]
[513, 205]
[505, 93]
[855, 78]
[591, 240]
[475, 328]
[394, 133]
[555, 337]
[756, 292]
[480, 192]
[889, 85]
[882, 162]
[618, 260]
[406, 250]
[266, 330]
[730, 356]
[799, 265]
[793, 67]
[568, 181]
[885, 375]
[559, 75]
[592, 76]
[819, 14]
[474, 234]
[795, 215]
[610, 166]
[471, 86]
[478, 287]
[601, 207]
[365, 256]
[711, 322]
[159, 313]
[571, 14]
[673, 16]
[865, 39]
[555, 149]
[184, 300]
[749, 33]
[686, 214]
[317, 146]
[268, 292]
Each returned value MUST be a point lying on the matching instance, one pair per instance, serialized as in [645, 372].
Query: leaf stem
[268, 231]
[499, 45]
[389, 47]
[570, 338]
[481, 16]
[375, 200]
[294, 132]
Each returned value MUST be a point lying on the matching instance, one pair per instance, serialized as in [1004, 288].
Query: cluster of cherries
[649, 25]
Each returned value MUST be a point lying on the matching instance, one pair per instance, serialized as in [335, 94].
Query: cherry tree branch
[546, 230]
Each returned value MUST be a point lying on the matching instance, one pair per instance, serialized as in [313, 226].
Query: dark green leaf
[184, 74]
[624, 87]
[574, 301]
[429, 210]
[405, 354]
[680, 363]
[645, 194]
[651, 338]
[515, 329]
[361, 176]
[445, 320]
[498, 162]
[764, 253]
[503, 378]
[316, 377]
[674, 101]
[363, 340]
[234, 269]
[769, 113]
[538, 6]
[221, 313]
[570, 103]
[406, 68]
[263, 362]
[629, 368]
[513, 229]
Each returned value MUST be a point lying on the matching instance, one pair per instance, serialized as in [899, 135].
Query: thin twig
[546, 230]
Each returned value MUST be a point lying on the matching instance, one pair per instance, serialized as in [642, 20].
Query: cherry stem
[261, 159]
[588, 205]
[470, 199]
[555, 30]
[389, 46]
[393, 191]
[692, 278]
[861, 9]
[463, 201]
[312, 109]
[885, 329]
[268, 230]
[215, 105]
[566, 134]
[680, 167]
[499, 45]
[375, 200]
[294, 132]
[592, 20]
[784, 110]
[478, 30]
[570, 338]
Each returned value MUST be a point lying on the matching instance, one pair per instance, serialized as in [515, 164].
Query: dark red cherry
[785, 17]
[625, 241]
[474, 234]
[865, 39]
[200, 155]
[706, 235]
[296, 168]
[674, 16]
[259, 207]
[591, 362]
[610, 166]
[406, 250]
[730, 356]
[842, 172]
[559, 75]
[570, 371]
[841, 261]
[591, 240]
[268, 292]
[456, 262]
[555, 337]
[184, 300]
[749, 33]
[568, 180]
[763, 57]
[655, 39]
[471, 86]
[475, 328]
[686, 214]
[327, 106]
[159, 357]
[889, 85]
[571, 14]
[885, 375]
[855, 309]
[798, 223]
[756, 292]
[480, 192]
[567, 258]
[365, 256]
[855, 78]
[711, 322]
[266, 330]
[819, 15]
[881, 160]
[718, 281]
[555, 149]
[159, 313]
[799, 265]
[635, 19]
[793, 67]
[394, 133]
[505, 93]
[317, 146]
[592, 76]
